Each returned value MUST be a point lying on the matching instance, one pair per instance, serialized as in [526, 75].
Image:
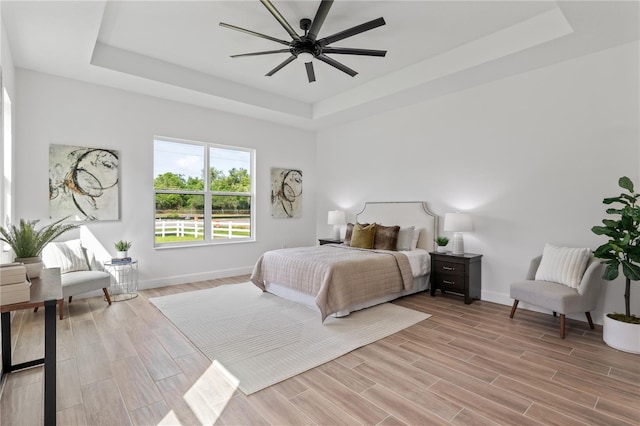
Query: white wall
[530, 156]
[53, 110]
[6, 134]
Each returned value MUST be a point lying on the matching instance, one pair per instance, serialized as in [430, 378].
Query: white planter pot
[441, 249]
[33, 265]
[121, 254]
[621, 335]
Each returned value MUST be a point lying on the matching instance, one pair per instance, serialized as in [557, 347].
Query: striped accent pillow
[67, 255]
[563, 265]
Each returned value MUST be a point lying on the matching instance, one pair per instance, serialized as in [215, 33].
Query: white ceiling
[176, 49]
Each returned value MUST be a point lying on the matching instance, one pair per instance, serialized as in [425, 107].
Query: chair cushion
[67, 255]
[553, 296]
[563, 265]
[79, 282]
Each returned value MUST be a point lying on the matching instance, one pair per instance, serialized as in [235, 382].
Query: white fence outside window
[195, 228]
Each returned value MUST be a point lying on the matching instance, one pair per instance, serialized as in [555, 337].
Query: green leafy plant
[27, 241]
[623, 247]
[442, 241]
[123, 245]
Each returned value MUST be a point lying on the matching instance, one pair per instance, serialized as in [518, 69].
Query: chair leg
[588, 314]
[70, 299]
[61, 308]
[555, 314]
[35, 309]
[562, 326]
[513, 308]
[106, 294]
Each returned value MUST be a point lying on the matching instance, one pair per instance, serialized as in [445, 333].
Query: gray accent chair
[560, 298]
[83, 281]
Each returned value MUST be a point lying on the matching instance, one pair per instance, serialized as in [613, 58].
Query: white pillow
[563, 265]
[66, 255]
[405, 236]
[416, 237]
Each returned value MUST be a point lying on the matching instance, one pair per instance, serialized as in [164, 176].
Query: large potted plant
[622, 331]
[28, 242]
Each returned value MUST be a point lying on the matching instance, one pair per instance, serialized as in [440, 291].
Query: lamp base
[458, 243]
[336, 232]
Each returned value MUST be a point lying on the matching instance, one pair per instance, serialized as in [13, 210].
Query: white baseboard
[179, 279]
[190, 278]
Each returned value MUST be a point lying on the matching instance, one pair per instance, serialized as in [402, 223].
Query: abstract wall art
[286, 193]
[83, 183]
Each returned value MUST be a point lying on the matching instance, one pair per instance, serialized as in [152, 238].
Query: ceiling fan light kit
[307, 46]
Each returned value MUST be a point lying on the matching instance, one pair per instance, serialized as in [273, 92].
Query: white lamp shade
[457, 222]
[336, 217]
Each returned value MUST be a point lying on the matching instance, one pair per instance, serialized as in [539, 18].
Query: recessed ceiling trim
[154, 69]
[540, 29]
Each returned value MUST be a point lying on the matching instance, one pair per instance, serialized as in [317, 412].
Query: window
[194, 207]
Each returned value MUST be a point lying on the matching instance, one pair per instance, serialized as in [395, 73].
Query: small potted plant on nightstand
[122, 248]
[442, 244]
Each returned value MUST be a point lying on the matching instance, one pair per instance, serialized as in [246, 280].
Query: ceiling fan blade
[318, 20]
[336, 64]
[282, 65]
[267, 52]
[280, 19]
[310, 73]
[350, 51]
[242, 30]
[352, 31]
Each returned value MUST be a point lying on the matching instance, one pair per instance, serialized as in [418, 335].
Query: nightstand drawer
[444, 267]
[449, 282]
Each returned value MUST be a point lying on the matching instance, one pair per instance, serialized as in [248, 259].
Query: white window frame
[208, 193]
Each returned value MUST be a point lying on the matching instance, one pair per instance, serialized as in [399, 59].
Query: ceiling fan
[308, 46]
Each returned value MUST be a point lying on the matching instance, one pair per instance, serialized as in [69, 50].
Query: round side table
[124, 280]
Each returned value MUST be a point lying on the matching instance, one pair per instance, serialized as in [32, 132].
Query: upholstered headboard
[403, 213]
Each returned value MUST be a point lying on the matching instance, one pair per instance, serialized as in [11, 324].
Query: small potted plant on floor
[27, 242]
[122, 249]
[442, 244]
[622, 331]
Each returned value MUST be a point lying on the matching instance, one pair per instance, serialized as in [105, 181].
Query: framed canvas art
[286, 193]
[83, 183]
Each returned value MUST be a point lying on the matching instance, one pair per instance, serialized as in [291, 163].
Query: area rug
[262, 339]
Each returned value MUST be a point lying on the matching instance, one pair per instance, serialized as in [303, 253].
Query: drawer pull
[448, 268]
[448, 282]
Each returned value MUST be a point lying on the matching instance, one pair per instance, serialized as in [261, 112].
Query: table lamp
[457, 223]
[336, 218]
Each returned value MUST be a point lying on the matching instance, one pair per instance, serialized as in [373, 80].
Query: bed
[336, 279]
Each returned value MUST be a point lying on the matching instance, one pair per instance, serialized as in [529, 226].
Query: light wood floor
[467, 364]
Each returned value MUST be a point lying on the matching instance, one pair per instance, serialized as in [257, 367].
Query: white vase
[441, 249]
[33, 265]
[121, 254]
[620, 335]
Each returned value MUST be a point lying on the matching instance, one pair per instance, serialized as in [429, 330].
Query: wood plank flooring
[467, 365]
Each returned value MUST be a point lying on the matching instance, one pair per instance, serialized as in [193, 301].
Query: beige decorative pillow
[386, 237]
[363, 236]
[67, 255]
[563, 265]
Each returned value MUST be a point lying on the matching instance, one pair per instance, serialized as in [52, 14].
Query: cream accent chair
[560, 298]
[80, 271]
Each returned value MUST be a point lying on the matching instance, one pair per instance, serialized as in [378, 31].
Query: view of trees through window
[185, 196]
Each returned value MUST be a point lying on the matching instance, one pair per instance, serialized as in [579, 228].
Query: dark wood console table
[45, 291]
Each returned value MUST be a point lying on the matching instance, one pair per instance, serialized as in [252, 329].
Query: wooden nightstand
[457, 274]
[324, 241]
